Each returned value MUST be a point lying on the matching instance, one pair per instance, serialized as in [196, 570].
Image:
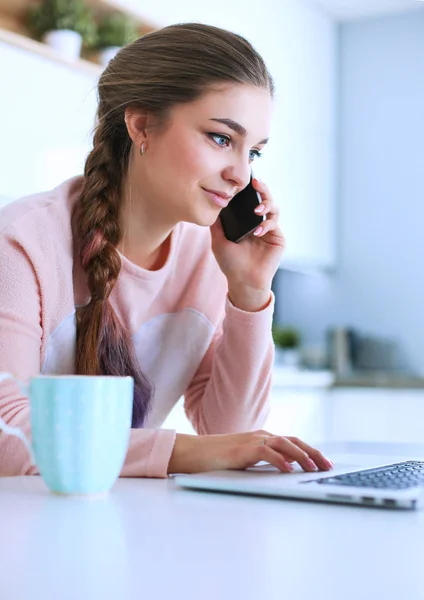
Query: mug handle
[7, 429]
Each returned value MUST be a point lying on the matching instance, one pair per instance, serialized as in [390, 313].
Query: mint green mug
[80, 428]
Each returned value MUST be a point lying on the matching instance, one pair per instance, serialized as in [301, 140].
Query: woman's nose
[238, 173]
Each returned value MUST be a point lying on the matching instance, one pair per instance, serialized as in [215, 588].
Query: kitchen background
[345, 162]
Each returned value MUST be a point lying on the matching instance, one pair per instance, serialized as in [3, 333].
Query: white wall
[47, 113]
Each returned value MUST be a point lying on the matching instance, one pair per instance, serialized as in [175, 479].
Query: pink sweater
[190, 340]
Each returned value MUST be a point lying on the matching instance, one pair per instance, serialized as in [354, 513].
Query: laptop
[381, 483]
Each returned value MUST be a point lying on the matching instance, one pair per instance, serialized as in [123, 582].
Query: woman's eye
[221, 140]
[224, 141]
[255, 154]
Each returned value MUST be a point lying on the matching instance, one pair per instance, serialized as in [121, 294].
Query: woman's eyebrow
[236, 127]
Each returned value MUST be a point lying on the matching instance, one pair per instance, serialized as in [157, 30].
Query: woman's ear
[136, 121]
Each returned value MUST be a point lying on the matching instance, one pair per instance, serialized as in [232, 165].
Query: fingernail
[329, 463]
[258, 231]
[288, 467]
[259, 208]
[311, 464]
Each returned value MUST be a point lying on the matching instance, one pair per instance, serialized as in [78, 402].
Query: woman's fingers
[266, 208]
[320, 460]
[289, 449]
[255, 449]
[267, 226]
[267, 205]
[270, 455]
[292, 449]
[277, 450]
[265, 195]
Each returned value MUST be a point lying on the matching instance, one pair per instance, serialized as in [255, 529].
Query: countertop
[306, 378]
[380, 380]
[148, 538]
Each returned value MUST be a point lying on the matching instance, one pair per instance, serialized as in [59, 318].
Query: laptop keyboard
[394, 477]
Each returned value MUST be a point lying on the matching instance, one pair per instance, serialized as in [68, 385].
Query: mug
[80, 427]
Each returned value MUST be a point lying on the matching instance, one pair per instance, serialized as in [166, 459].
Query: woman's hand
[251, 264]
[196, 454]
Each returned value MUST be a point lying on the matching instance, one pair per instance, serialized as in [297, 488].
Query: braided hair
[173, 65]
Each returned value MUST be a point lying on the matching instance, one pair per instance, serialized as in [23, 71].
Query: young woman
[126, 270]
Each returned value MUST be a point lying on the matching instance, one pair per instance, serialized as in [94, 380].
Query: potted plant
[114, 31]
[63, 25]
[287, 343]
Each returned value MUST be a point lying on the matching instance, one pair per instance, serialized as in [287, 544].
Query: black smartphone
[238, 219]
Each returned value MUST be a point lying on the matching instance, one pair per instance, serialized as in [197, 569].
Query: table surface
[151, 539]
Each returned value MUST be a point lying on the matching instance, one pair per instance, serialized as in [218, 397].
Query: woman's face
[207, 145]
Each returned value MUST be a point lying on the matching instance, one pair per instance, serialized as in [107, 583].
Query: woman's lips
[217, 199]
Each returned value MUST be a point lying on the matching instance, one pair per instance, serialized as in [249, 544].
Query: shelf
[13, 13]
[26, 43]
[13, 30]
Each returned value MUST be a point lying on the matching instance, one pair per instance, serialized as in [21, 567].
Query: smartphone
[238, 219]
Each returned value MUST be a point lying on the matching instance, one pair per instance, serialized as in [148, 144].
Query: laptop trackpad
[344, 467]
[343, 463]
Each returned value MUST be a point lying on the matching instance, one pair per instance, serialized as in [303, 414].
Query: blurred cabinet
[299, 163]
[378, 415]
[348, 414]
[299, 412]
[47, 114]
[293, 411]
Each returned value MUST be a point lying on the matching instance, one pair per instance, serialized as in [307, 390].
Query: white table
[148, 539]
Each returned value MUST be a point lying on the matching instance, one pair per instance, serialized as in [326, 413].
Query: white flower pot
[65, 42]
[287, 357]
[107, 54]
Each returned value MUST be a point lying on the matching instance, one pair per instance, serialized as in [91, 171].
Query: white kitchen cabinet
[318, 414]
[299, 412]
[299, 406]
[299, 163]
[376, 414]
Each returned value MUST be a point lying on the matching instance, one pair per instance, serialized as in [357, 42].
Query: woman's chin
[207, 219]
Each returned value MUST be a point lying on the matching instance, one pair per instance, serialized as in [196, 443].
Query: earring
[142, 149]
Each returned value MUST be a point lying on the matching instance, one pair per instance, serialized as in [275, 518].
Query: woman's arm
[21, 334]
[20, 344]
[227, 393]
[229, 396]
[230, 390]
